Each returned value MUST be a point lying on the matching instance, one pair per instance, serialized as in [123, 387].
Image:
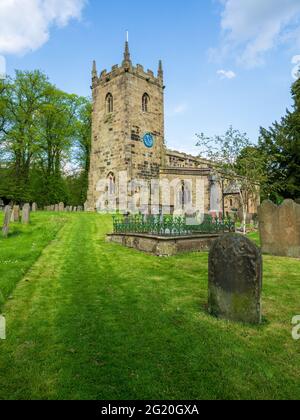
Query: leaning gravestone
[26, 214]
[15, 215]
[7, 217]
[235, 279]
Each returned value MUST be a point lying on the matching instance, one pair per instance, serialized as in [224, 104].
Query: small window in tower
[145, 102]
[111, 184]
[109, 103]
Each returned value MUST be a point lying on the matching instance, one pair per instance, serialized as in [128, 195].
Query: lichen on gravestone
[235, 279]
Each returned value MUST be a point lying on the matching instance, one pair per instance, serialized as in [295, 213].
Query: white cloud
[296, 59]
[226, 74]
[180, 109]
[296, 68]
[251, 28]
[25, 24]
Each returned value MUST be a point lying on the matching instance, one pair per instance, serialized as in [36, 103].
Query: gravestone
[34, 207]
[26, 214]
[279, 228]
[85, 207]
[61, 207]
[75, 209]
[7, 218]
[235, 279]
[15, 215]
[56, 207]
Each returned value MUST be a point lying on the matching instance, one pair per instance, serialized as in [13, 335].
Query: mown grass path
[93, 320]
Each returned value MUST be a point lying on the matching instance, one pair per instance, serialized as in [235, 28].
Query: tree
[57, 124]
[22, 100]
[43, 133]
[280, 144]
[82, 149]
[235, 159]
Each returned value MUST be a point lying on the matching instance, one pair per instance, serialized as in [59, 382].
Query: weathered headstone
[15, 215]
[279, 228]
[34, 207]
[56, 207]
[7, 217]
[75, 209]
[61, 207]
[235, 279]
[85, 207]
[26, 214]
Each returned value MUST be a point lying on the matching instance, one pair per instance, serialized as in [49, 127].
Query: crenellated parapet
[127, 67]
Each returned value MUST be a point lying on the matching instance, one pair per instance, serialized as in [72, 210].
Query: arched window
[184, 195]
[109, 103]
[111, 184]
[145, 102]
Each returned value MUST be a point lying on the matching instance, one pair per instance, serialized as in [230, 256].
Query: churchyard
[91, 319]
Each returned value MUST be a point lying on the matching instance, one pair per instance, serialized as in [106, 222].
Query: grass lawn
[91, 320]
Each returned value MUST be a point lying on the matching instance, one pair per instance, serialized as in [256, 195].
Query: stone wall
[162, 246]
[280, 228]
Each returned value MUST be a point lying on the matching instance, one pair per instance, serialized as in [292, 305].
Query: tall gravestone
[7, 218]
[26, 214]
[15, 215]
[279, 228]
[34, 207]
[235, 279]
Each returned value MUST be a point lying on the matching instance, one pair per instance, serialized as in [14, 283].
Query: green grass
[23, 247]
[92, 320]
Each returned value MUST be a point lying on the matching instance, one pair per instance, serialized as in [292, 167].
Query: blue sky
[225, 61]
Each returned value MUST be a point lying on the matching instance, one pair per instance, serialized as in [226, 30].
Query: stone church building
[128, 142]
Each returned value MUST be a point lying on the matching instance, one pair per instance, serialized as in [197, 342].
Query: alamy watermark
[296, 329]
[119, 193]
[2, 328]
[2, 68]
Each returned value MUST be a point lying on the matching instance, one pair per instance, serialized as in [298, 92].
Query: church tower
[127, 124]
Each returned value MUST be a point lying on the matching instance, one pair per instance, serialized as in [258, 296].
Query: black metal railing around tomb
[171, 225]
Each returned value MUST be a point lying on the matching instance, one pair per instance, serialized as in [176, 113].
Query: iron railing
[171, 225]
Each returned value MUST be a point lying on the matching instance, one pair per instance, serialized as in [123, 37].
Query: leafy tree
[82, 150]
[20, 141]
[43, 133]
[280, 145]
[236, 160]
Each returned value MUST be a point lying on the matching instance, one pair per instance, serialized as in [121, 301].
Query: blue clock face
[148, 140]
